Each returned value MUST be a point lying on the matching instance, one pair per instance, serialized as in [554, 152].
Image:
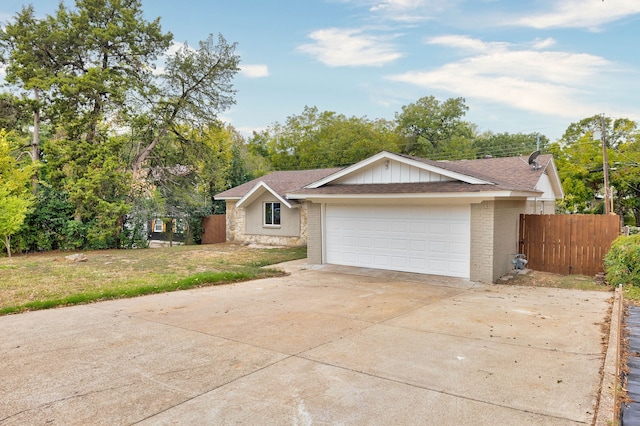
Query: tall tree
[429, 125]
[86, 62]
[195, 87]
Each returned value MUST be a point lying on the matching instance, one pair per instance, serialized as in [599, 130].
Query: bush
[622, 262]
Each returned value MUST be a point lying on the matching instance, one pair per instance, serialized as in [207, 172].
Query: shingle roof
[505, 174]
[506, 170]
[281, 182]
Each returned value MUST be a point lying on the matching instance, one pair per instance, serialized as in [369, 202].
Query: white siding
[388, 171]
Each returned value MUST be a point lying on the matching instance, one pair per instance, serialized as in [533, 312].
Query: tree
[15, 198]
[14, 114]
[625, 173]
[194, 88]
[317, 139]
[579, 158]
[29, 49]
[92, 71]
[429, 125]
[87, 63]
[508, 144]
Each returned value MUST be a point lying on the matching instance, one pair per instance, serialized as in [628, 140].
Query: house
[402, 213]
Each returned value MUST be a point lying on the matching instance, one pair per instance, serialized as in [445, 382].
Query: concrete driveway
[324, 346]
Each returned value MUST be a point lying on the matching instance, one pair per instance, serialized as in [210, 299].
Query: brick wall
[314, 234]
[482, 228]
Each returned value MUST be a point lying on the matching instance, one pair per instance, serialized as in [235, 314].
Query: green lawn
[40, 281]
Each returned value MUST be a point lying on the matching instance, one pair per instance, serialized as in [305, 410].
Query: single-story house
[397, 212]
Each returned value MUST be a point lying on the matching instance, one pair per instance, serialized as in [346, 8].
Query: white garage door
[424, 239]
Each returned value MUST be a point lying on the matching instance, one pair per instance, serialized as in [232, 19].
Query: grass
[47, 280]
[631, 294]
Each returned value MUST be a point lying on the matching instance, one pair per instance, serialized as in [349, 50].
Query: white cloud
[467, 43]
[406, 11]
[581, 14]
[254, 70]
[337, 47]
[547, 82]
[397, 5]
[543, 44]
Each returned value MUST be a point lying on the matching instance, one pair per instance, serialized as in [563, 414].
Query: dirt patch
[547, 279]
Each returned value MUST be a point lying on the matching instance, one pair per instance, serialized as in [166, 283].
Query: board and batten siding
[388, 171]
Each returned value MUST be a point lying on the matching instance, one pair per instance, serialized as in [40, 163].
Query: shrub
[622, 262]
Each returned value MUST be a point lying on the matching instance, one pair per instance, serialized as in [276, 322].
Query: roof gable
[386, 167]
[257, 191]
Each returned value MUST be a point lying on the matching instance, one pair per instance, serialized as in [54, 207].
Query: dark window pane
[268, 213]
[276, 213]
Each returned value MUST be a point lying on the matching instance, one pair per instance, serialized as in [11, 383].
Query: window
[157, 225]
[272, 214]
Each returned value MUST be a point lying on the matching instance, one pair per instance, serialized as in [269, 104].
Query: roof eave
[481, 195]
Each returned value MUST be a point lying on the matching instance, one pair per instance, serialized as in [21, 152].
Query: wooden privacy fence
[567, 244]
[215, 229]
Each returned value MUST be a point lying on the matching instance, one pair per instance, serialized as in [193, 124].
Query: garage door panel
[439, 267]
[398, 244]
[436, 247]
[424, 239]
[458, 248]
[458, 268]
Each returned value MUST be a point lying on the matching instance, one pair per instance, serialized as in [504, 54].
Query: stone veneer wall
[236, 229]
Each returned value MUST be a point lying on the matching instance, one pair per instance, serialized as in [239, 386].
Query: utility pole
[605, 165]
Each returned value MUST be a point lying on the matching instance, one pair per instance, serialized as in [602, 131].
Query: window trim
[264, 214]
[157, 222]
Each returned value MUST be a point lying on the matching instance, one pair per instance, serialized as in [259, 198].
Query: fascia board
[227, 198]
[390, 156]
[416, 196]
[261, 186]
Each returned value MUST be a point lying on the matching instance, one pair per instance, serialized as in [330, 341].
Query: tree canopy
[105, 104]
[317, 139]
[435, 129]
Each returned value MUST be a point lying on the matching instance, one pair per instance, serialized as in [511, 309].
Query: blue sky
[522, 66]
